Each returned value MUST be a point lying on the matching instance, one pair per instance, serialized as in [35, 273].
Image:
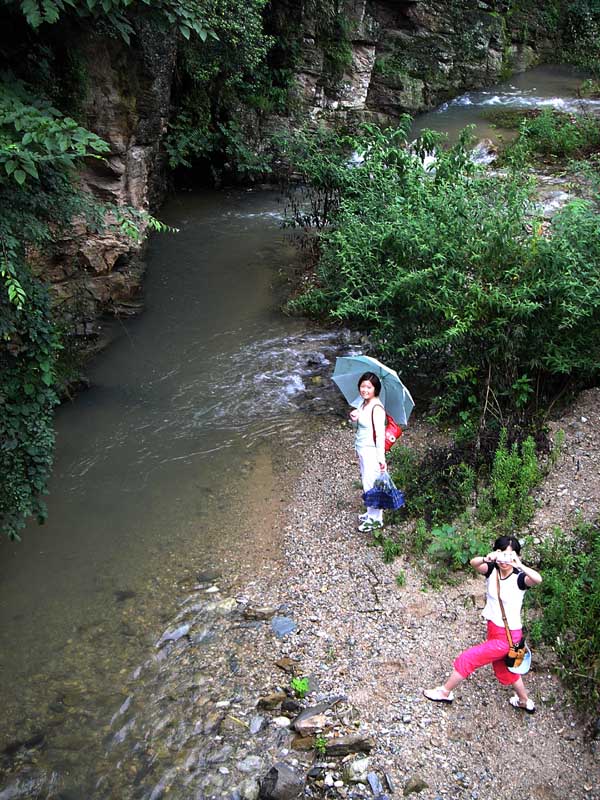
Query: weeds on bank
[554, 134]
[454, 518]
[320, 745]
[300, 686]
[568, 602]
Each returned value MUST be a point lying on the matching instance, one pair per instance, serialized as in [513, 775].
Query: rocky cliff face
[127, 104]
[407, 56]
[385, 58]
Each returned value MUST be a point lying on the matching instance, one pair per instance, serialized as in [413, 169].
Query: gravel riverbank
[212, 711]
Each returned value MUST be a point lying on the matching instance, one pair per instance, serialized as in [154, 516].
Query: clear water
[549, 86]
[156, 466]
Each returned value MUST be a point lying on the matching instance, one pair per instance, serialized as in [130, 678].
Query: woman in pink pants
[515, 578]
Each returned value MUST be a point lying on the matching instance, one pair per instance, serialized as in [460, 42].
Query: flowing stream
[548, 86]
[156, 467]
[165, 465]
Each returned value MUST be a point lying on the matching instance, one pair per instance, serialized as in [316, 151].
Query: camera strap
[508, 636]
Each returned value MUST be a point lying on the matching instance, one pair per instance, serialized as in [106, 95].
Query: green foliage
[186, 15]
[451, 276]
[33, 135]
[581, 34]
[506, 504]
[569, 601]
[401, 579]
[300, 686]
[438, 486]
[27, 353]
[40, 197]
[38, 149]
[453, 546]
[220, 80]
[332, 35]
[320, 745]
[551, 133]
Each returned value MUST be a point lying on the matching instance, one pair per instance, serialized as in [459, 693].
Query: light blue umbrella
[394, 394]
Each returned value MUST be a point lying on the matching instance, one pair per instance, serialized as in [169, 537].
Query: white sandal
[438, 695]
[529, 706]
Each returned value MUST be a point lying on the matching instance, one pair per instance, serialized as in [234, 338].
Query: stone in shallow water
[173, 636]
[414, 785]
[256, 724]
[250, 764]
[281, 783]
[283, 625]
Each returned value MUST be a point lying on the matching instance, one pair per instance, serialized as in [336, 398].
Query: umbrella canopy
[394, 394]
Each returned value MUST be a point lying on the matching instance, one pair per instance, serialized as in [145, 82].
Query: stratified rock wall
[397, 56]
[127, 104]
[409, 56]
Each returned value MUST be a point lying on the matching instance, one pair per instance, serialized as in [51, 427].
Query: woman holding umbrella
[380, 392]
[370, 442]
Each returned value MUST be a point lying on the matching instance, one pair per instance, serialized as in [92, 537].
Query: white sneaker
[363, 517]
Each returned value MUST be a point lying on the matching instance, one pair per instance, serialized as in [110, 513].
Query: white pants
[369, 472]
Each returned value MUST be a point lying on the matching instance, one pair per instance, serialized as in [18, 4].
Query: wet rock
[220, 755]
[283, 626]
[259, 612]
[37, 740]
[125, 594]
[290, 705]
[355, 743]
[375, 783]
[204, 637]
[257, 723]
[212, 722]
[249, 789]
[208, 576]
[174, 635]
[271, 701]
[302, 723]
[356, 771]
[309, 725]
[287, 664]
[414, 785]
[281, 783]
[250, 764]
[304, 743]
[226, 606]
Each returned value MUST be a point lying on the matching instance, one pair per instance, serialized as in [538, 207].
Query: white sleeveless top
[512, 592]
[364, 430]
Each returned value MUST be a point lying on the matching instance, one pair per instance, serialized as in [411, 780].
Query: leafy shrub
[569, 602]
[300, 686]
[437, 487]
[452, 278]
[453, 546]
[506, 503]
[219, 80]
[552, 133]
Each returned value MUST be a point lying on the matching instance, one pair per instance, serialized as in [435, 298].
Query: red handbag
[393, 431]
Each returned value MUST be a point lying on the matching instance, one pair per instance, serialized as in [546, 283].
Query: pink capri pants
[490, 652]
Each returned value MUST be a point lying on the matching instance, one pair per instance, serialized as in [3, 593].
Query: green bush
[569, 602]
[506, 504]
[219, 80]
[438, 486]
[453, 546]
[453, 279]
[552, 133]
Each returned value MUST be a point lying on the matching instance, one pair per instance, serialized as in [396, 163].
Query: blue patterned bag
[384, 494]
